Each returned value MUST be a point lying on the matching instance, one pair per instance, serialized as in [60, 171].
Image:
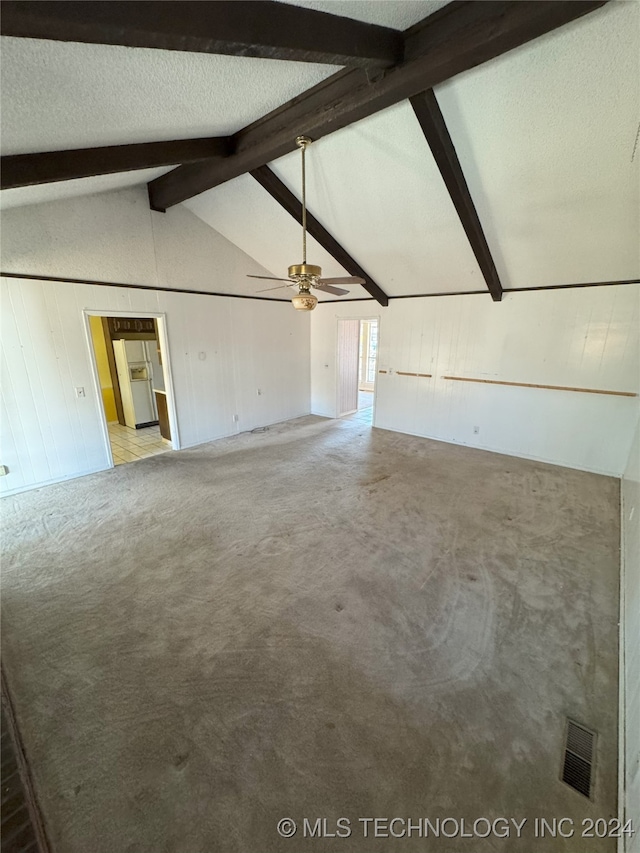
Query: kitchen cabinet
[140, 327]
[163, 414]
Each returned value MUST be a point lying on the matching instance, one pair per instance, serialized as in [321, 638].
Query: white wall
[584, 338]
[630, 644]
[114, 236]
[47, 433]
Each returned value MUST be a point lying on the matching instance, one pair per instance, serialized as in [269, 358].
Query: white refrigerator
[136, 362]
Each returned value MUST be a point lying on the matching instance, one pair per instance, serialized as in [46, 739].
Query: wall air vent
[577, 769]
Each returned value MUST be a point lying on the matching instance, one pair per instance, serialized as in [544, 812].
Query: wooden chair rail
[548, 387]
[405, 373]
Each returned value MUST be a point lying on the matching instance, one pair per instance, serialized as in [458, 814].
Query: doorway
[357, 361]
[367, 361]
[131, 373]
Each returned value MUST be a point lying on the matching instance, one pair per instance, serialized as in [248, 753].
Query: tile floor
[364, 415]
[128, 445]
[365, 400]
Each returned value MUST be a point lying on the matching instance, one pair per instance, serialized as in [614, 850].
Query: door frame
[113, 370]
[163, 340]
[360, 318]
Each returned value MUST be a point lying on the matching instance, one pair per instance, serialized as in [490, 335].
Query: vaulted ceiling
[546, 136]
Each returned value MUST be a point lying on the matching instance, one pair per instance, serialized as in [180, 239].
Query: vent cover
[577, 769]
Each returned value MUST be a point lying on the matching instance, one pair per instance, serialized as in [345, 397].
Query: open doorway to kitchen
[132, 375]
[357, 360]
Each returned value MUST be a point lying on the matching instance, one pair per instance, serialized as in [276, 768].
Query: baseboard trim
[30, 486]
[617, 475]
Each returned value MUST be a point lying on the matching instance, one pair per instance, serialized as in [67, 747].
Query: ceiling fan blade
[278, 287]
[267, 277]
[343, 279]
[327, 288]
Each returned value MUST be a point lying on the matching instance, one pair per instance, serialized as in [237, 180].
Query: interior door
[348, 359]
[122, 366]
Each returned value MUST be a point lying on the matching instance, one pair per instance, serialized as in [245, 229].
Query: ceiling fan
[304, 276]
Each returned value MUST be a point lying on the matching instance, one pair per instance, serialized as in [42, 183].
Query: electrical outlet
[80, 392]
[259, 392]
[476, 430]
[235, 419]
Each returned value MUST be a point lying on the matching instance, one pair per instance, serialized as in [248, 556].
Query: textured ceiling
[385, 13]
[58, 95]
[243, 212]
[81, 186]
[375, 186]
[545, 136]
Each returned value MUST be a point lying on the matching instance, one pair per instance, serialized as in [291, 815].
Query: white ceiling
[545, 136]
[243, 212]
[42, 193]
[373, 185]
[59, 95]
[386, 13]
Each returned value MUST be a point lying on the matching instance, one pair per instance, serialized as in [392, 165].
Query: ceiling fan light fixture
[304, 301]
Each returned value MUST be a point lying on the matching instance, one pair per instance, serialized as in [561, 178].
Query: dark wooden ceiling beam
[24, 170]
[261, 28]
[458, 37]
[283, 195]
[432, 123]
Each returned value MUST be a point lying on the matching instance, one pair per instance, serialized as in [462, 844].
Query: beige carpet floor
[321, 621]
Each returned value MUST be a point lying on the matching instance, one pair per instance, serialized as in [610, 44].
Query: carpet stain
[374, 480]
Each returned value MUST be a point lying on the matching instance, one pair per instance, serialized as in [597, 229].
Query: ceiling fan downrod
[306, 274]
[302, 142]
[304, 270]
